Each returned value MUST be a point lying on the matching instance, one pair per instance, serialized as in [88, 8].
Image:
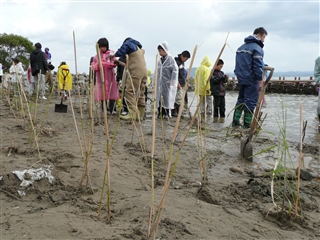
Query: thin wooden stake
[300, 161]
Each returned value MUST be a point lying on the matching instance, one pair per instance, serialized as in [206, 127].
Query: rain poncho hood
[167, 80]
[165, 47]
[202, 76]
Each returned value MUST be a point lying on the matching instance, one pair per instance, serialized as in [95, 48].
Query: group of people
[171, 78]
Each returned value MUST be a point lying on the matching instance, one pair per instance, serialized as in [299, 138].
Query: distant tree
[14, 46]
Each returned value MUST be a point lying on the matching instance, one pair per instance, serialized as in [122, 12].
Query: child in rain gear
[217, 81]
[167, 81]
[110, 84]
[202, 87]
[64, 79]
[135, 84]
[16, 71]
[180, 60]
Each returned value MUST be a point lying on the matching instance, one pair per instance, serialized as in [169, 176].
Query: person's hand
[179, 87]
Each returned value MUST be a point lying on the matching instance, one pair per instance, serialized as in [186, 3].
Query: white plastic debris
[1, 178]
[34, 175]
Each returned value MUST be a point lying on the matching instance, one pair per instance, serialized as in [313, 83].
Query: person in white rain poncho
[167, 81]
[16, 71]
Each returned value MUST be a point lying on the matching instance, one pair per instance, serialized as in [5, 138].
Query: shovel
[246, 147]
[62, 108]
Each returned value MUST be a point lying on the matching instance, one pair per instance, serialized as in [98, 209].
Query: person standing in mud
[135, 86]
[202, 88]
[249, 70]
[167, 81]
[180, 60]
[317, 80]
[110, 84]
[217, 82]
[39, 67]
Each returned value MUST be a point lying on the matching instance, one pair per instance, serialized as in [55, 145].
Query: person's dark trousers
[146, 93]
[162, 110]
[0, 79]
[124, 103]
[219, 106]
[248, 96]
[175, 111]
[112, 106]
[186, 98]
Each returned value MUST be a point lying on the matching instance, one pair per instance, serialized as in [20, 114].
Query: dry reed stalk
[299, 166]
[75, 124]
[167, 182]
[107, 169]
[20, 89]
[33, 128]
[153, 135]
[91, 103]
[7, 96]
[157, 216]
[37, 95]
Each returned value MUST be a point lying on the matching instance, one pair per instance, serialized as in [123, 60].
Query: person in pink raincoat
[110, 84]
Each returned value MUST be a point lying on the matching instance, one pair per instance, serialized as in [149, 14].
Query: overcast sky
[292, 43]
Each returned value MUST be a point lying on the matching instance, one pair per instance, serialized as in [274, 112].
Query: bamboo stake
[37, 95]
[75, 124]
[107, 169]
[156, 222]
[300, 161]
[153, 135]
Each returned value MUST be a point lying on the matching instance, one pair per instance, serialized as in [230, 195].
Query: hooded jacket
[167, 79]
[217, 81]
[129, 46]
[202, 75]
[37, 57]
[249, 61]
[181, 78]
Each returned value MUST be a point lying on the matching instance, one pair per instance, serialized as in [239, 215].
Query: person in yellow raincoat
[202, 87]
[64, 79]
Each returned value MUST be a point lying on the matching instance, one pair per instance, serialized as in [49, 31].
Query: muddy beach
[235, 204]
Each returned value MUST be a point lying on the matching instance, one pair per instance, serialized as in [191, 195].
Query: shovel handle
[261, 95]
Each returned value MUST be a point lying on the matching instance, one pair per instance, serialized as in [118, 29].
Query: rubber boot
[247, 119]
[130, 116]
[142, 111]
[175, 111]
[236, 117]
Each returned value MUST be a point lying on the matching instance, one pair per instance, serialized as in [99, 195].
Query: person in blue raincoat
[249, 70]
[167, 81]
